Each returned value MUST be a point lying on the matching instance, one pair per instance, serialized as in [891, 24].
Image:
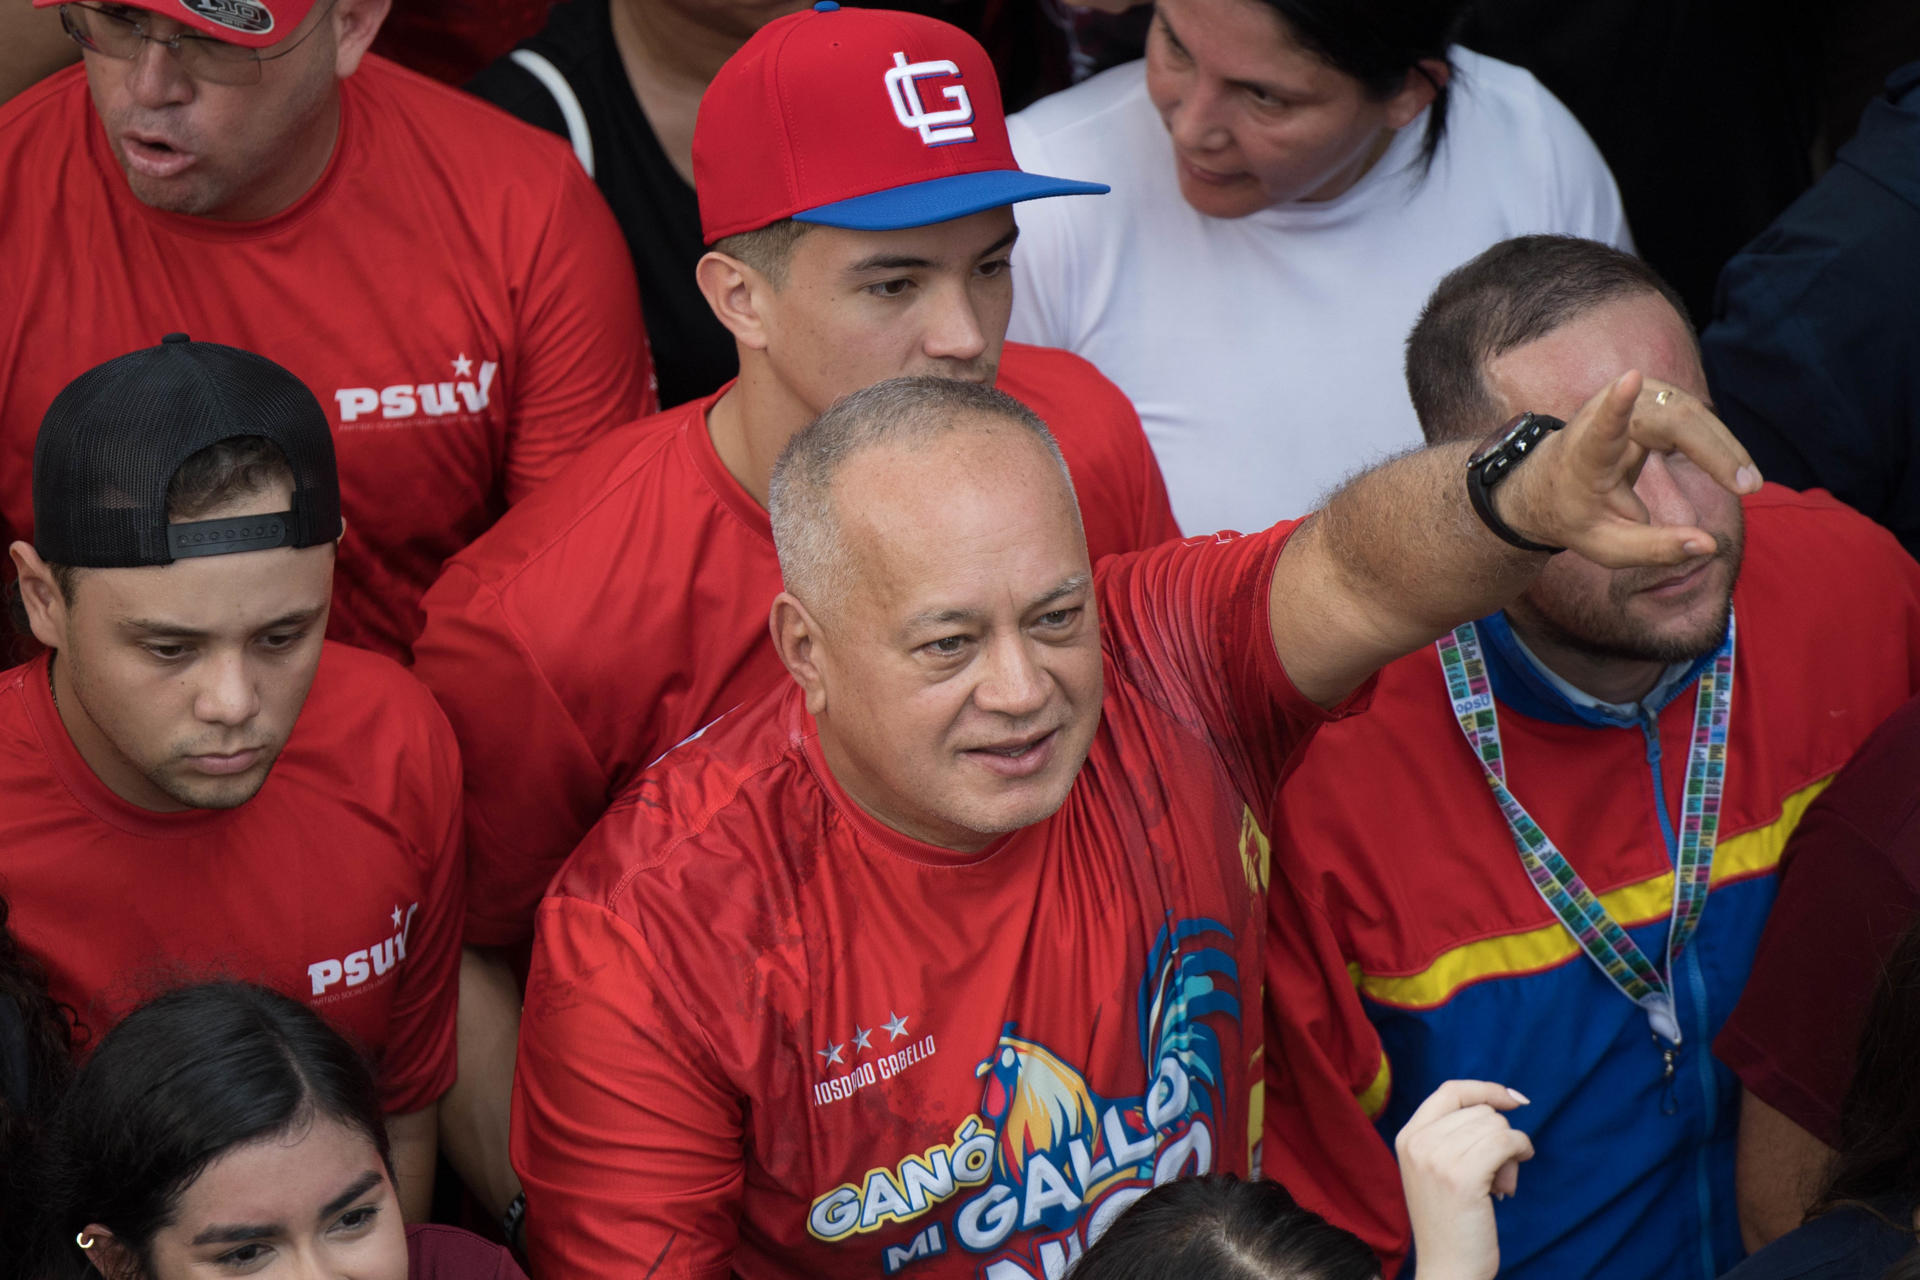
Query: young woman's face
[314, 1203]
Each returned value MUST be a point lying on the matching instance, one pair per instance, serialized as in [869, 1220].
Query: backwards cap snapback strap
[234, 533]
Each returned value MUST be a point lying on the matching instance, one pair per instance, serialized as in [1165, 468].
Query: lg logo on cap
[937, 128]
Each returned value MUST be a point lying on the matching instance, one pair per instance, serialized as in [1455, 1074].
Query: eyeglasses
[109, 31]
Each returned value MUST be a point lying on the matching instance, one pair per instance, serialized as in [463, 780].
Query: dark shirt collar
[1520, 681]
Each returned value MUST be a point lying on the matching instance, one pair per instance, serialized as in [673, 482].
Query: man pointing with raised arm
[932, 961]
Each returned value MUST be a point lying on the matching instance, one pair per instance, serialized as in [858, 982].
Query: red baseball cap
[871, 119]
[252, 23]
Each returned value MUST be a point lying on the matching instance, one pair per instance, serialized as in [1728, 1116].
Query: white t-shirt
[1265, 353]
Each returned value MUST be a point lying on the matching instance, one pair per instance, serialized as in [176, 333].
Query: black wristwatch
[513, 1224]
[1495, 461]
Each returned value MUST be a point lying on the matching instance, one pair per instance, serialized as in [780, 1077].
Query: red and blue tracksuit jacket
[1408, 947]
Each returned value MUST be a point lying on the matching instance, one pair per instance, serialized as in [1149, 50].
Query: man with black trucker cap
[193, 783]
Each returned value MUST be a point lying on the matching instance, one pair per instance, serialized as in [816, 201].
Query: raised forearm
[1395, 558]
[1407, 541]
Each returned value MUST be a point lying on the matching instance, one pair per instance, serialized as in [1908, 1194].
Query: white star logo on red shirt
[462, 366]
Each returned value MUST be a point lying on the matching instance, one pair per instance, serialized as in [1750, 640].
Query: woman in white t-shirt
[1290, 180]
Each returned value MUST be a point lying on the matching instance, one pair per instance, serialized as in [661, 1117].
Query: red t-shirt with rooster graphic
[766, 1035]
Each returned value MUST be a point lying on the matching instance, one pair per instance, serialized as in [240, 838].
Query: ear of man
[796, 638]
[355, 24]
[737, 295]
[40, 595]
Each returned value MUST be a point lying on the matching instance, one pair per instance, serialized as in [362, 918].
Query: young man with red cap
[446, 281]
[193, 783]
[855, 180]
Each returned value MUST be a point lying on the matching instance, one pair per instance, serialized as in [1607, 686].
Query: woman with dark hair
[224, 1129]
[1221, 1228]
[1290, 179]
[1866, 1222]
[1457, 1154]
[35, 1040]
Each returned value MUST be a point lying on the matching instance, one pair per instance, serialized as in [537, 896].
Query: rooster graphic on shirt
[1047, 1156]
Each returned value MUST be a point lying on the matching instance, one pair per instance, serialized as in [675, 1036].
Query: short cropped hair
[900, 411]
[224, 471]
[237, 467]
[1517, 292]
[768, 249]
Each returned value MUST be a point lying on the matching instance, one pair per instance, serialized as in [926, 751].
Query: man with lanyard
[1547, 854]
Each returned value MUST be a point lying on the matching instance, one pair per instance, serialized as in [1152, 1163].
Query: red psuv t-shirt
[626, 605]
[452, 290]
[766, 1035]
[340, 882]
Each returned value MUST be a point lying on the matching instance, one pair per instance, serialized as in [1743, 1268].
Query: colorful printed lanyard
[1558, 884]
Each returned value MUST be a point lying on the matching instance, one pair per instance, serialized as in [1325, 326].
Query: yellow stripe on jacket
[1736, 858]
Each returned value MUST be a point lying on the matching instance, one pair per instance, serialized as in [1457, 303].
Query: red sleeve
[533, 787]
[1327, 1079]
[419, 1062]
[1843, 903]
[1188, 624]
[626, 1136]
[584, 365]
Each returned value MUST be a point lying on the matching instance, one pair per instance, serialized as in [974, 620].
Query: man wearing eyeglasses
[446, 281]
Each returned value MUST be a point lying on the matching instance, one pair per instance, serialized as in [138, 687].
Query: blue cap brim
[920, 204]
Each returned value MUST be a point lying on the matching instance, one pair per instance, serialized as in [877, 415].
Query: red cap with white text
[252, 23]
[871, 119]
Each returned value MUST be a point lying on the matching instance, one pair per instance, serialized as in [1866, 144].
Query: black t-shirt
[692, 352]
[1846, 1244]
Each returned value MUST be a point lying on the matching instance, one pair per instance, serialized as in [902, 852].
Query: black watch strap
[513, 1224]
[1509, 447]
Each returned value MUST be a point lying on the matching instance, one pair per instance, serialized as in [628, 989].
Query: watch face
[1501, 437]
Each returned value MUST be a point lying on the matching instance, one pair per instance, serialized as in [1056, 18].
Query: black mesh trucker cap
[112, 440]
